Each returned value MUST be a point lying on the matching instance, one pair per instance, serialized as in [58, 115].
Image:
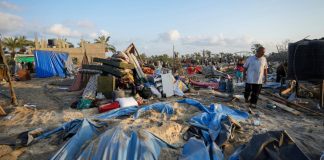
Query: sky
[155, 26]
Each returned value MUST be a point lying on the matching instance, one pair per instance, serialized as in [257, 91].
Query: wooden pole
[12, 92]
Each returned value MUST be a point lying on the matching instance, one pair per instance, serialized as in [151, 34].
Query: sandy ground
[53, 108]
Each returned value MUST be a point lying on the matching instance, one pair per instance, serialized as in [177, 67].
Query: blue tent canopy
[50, 63]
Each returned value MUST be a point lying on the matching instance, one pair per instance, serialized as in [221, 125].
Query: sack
[127, 102]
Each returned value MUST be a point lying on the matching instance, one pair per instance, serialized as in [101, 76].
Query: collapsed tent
[50, 63]
[95, 138]
[271, 145]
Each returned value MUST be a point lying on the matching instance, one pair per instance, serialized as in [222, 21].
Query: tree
[105, 40]
[12, 44]
[208, 53]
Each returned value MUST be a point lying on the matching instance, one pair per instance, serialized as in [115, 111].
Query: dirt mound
[28, 116]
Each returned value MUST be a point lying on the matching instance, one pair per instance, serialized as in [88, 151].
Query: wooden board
[280, 105]
[122, 65]
[106, 85]
[2, 112]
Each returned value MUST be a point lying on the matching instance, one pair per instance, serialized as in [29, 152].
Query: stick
[292, 104]
[280, 105]
[12, 92]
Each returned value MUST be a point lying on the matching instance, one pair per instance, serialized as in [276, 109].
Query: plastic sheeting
[49, 63]
[116, 144]
[215, 129]
[160, 107]
[91, 138]
[272, 145]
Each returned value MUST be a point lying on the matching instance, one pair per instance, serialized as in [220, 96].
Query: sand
[52, 109]
[27, 116]
[170, 129]
[71, 115]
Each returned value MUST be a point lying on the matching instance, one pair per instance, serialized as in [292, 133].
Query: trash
[118, 94]
[205, 84]
[167, 84]
[146, 92]
[221, 94]
[84, 104]
[257, 122]
[100, 96]
[127, 102]
[179, 87]
[8, 117]
[30, 105]
[108, 107]
[155, 92]
[271, 106]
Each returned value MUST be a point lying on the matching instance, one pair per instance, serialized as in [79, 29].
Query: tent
[25, 58]
[50, 63]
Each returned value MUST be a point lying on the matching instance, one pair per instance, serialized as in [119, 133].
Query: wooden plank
[122, 65]
[12, 91]
[292, 104]
[280, 105]
[2, 112]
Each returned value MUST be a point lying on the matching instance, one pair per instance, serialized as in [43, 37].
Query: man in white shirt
[255, 73]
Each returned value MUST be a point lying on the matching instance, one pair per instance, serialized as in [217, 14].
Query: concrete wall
[92, 50]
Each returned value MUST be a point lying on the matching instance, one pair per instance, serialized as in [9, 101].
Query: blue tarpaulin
[50, 63]
[93, 138]
[215, 129]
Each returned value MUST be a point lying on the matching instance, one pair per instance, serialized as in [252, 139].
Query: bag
[108, 107]
[127, 102]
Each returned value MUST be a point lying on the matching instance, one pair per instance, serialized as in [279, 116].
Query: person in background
[239, 70]
[255, 73]
[281, 72]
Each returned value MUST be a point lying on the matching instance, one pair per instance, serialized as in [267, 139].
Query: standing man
[255, 73]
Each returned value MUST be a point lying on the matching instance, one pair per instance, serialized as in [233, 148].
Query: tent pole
[12, 92]
[322, 94]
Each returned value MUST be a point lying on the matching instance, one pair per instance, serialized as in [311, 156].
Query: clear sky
[154, 26]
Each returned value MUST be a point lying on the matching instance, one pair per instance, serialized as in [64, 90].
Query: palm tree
[23, 43]
[12, 44]
[104, 40]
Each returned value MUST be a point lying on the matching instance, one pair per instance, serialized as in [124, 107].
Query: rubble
[120, 99]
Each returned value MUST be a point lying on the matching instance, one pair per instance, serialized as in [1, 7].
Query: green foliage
[105, 40]
[14, 43]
